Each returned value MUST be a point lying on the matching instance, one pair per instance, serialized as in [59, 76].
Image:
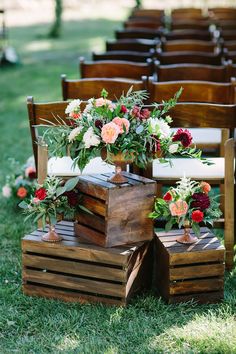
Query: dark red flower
[184, 136]
[136, 112]
[197, 215]
[72, 197]
[98, 124]
[32, 175]
[200, 201]
[40, 193]
[144, 114]
[123, 109]
[167, 197]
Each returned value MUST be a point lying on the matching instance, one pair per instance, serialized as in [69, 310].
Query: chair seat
[204, 136]
[192, 168]
[63, 166]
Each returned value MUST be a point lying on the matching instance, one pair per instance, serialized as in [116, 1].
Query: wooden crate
[185, 272]
[71, 271]
[120, 212]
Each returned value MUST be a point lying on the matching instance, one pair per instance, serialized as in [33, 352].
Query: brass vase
[187, 238]
[120, 161]
[51, 235]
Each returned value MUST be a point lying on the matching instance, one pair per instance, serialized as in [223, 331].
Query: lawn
[34, 325]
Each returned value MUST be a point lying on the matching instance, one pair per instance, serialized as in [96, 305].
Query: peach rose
[100, 102]
[121, 122]
[22, 192]
[110, 132]
[178, 208]
[205, 187]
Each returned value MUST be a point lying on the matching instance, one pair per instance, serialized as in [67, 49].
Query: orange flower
[22, 192]
[205, 187]
[178, 208]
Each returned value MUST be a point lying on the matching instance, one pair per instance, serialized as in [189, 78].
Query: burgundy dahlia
[200, 201]
[123, 109]
[184, 136]
[98, 124]
[136, 112]
[72, 198]
[144, 114]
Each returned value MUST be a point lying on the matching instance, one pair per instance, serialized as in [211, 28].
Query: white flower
[89, 117]
[73, 106]
[74, 133]
[6, 191]
[90, 138]
[159, 127]
[89, 105]
[173, 148]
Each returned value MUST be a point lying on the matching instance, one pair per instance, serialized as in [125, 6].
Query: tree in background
[55, 31]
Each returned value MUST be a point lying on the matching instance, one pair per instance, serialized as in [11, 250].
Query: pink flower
[110, 132]
[178, 208]
[36, 200]
[121, 122]
[100, 102]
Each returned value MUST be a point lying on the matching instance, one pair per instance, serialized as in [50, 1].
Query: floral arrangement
[21, 180]
[189, 203]
[51, 199]
[125, 127]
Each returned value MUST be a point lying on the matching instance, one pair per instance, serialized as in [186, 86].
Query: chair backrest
[207, 115]
[37, 112]
[138, 33]
[139, 57]
[226, 25]
[87, 88]
[148, 12]
[228, 35]
[221, 73]
[115, 68]
[167, 58]
[193, 91]
[188, 12]
[138, 45]
[190, 24]
[231, 55]
[230, 45]
[138, 23]
[222, 13]
[189, 45]
[204, 35]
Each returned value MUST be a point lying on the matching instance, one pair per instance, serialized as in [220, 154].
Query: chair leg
[229, 204]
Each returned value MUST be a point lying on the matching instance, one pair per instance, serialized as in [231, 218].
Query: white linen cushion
[191, 168]
[63, 166]
[204, 135]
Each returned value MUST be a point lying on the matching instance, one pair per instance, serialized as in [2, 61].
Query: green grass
[34, 325]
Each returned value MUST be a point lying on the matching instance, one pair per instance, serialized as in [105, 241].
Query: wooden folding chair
[180, 34]
[187, 13]
[145, 23]
[157, 13]
[202, 72]
[228, 35]
[115, 69]
[167, 58]
[196, 24]
[137, 45]
[138, 33]
[222, 13]
[140, 57]
[51, 111]
[92, 87]
[193, 45]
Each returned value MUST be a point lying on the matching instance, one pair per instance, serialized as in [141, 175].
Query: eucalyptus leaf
[23, 205]
[139, 129]
[60, 191]
[71, 183]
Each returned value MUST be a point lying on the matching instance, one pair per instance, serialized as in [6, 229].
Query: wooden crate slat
[93, 187]
[196, 286]
[94, 205]
[202, 298]
[200, 244]
[72, 267]
[167, 239]
[75, 283]
[90, 234]
[68, 296]
[74, 251]
[197, 257]
[40, 233]
[96, 222]
[197, 271]
[138, 178]
[176, 232]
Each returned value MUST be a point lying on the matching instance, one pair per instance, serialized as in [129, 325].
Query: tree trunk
[55, 31]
